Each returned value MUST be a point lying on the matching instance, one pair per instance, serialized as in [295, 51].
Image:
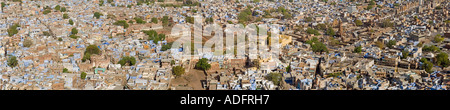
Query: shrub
[12, 61]
[27, 43]
[127, 60]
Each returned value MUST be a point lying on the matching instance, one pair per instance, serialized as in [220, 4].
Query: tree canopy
[97, 15]
[165, 20]
[154, 20]
[405, 54]
[153, 35]
[387, 23]
[431, 48]
[139, 20]
[65, 70]
[27, 43]
[13, 30]
[12, 61]
[330, 31]
[426, 65]
[357, 49]
[358, 22]
[122, 23]
[65, 16]
[70, 21]
[391, 43]
[177, 70]
[316, 45]
[274, 77]
[438, 38]
[203, 64]
[312, 31]
[319, 47]
[92, 49]
[442, 59]
[74, 31]
[83, 75]
[127, 60]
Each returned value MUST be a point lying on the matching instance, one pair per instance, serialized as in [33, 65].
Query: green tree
[438, 38]
[122, 23]
[13, 30]
[177, 71]
[321, 26]
[288, 68]
[70, 22]
[92, 49]
[127, 60]
[87, 56]
[426, 65]
[83, 75]
[139, 20]
[153, 35]
[154, 20]
[243, 17]
[57, 8]
[405, 54]
[190, 20]
[3, 4]
[319, 47]
[97, 15]
[420, 44]
[358, 23]
[387, 23]
[166, 47]
[27, 43]
[313, 40]
[333, 42]
[442, 59]
[73, 36]
[274, 77]
[391, 43]
[357, 49]
[65, 70]
[46, 33]
[65, 16]
[74, 31]
[396, 4]
[203, 64]
[63, 9]
[369, 7]
[312, 31]
[12, 61]
[172, 62]
[165, 20]
[47, 11]
[372, 2]
[330, 31]
[431, 48]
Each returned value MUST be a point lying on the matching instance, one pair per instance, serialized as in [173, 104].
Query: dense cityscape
[130, 45]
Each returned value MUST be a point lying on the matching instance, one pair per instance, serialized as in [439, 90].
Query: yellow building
[285, 39]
